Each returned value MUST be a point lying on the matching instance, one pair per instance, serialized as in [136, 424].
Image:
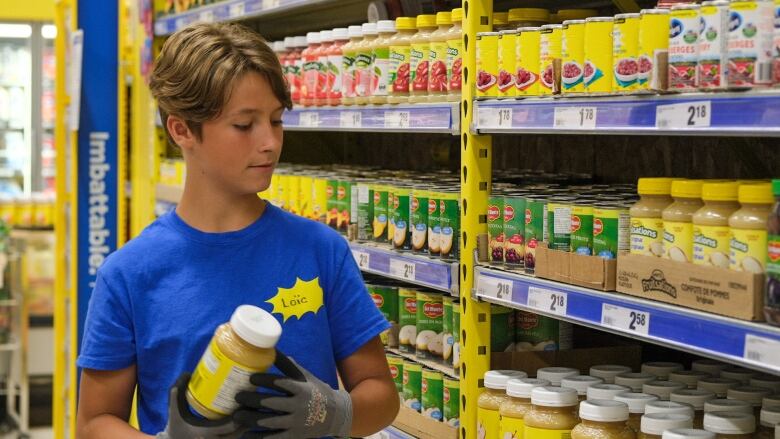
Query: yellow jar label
[748, 250]
[488, 423]
[711, 245]
[539, 433]
[419, 67]
[647, 236]
[217, 379]
[678, 241]
[437, 68]
[511, 427]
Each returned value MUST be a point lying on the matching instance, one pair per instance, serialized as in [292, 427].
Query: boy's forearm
[375, 405]
[110, 427]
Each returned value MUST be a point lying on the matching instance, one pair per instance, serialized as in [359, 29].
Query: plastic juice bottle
[325, 82]
[438, 78]
[654, 424]
[421, 46]
[455, 56]
[489, 401]
[711, 224]
[349, 53]
[380, 82]
[749, 228]
[301, 44]
[646, 216]
[678, 220]
[364, 64]
[603, 419]
[553, 413]
[399, 77]
[730, 425]
[512, 411]
[335, 65]
[291, 70]
[311, 69]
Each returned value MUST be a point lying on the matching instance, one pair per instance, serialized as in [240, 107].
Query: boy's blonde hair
[195, 73]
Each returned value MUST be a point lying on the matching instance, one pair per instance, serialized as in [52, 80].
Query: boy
[158, 300]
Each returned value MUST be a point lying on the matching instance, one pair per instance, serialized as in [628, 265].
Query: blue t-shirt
[158, 300]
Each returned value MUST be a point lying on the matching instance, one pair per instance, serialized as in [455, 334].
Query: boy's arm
[105, 401]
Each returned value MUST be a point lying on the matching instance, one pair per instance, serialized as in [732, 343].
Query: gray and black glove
[183, 424]
[305, 406]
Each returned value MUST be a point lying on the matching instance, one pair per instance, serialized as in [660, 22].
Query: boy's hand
[182, 424]
[307, 408]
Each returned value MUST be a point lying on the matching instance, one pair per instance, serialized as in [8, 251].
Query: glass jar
[766, 381]
[239, 348]
[512, 411]
[490, 400]
[381, 72]
[662, 389]
[730, 425]
[636, 407]
[455, 56]
[696, 399]
[712, 367]
[364, 63]
[556, 374]
[688, 377]
[728, 406]
[678, 220]
[667, 407]
[687, 433]
[349, 53]
[311, 69]
[581, 383]
[419, 67]
[738, 373]
[718, 386]
[335, 65]
[748, 225]
[751, 395]
[603, 420]
[711, 224]
[608, 372]
[770, 419]
[634, 380]
[772, 290]
[400, 60]
[528, 17]
[647, 216]
[438, 79]
[655, 424]
[606, 391]
[552, 414]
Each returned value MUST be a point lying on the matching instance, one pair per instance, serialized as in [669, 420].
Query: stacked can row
[425, 390]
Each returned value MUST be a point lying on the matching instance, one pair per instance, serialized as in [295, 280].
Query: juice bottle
[349, 53]
[711, 224]
[335, 65]
[380, 74]
[455, 56]
[301, 44]
[364, 64]
[311, 69]
[400, 53]
[292, 69]
[748, 228]
[324, 83]
[438, 79]
[421, 44]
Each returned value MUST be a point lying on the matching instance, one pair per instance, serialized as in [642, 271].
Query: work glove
[304, 406]
[183, 424]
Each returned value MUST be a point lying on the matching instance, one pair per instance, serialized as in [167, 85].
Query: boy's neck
[207, 209]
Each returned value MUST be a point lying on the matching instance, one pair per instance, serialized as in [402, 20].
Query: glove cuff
[343, 421]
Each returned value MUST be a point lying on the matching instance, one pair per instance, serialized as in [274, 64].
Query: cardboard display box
[711, 289]
[575, 269]
[583, 359]
[423, 427]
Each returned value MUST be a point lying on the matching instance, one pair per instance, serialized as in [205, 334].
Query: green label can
[447, 337]
[451, 399]
[365, 211]
[434, 224]
[559, 224]
[412, 381]
[380, 217]
[514, 231]
[495, 227]
[418, 216]
[456, 334]
[539, 333]
[502, 329]
[402, 235]
[332, 205]
[611, 231]
[535, 229]
[432, 389]
[430, 325]
[396, 365]
[386, 300]
[407, 319]
[449, 208]
[344, 195]
[582, 229]
[390, 214]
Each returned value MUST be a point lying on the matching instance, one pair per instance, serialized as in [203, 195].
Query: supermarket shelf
[418, 118]
[447, 370]
[169, 194]
[735, 341]
[732, 114]
[407, 267]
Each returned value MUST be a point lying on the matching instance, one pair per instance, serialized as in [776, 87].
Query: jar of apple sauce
[770, 419]
[738, 373]
[751, 395]
[349, 53]
[712, 367]
[364, 64]
[687, 433]
[380, 79]
[728, 406]
[688, 377]
[556, 374]
[455, 56]
[696, 399]
[636, 407]
[490, 400]
[634, 380]
[662, 389]
[238, 349]
[581, 383]
[678, 220]
[647, 224]
[711, 223]
[553, 413]
[718, 386]
[655, 424]
[335, 65]
[749, 228]
[606, 391]
[512, 411]
[419, 67]
[603, 419]
[438, 79]
[669, 407]
[399, 78]
[730, 425]
[661, 369]
[608, 372]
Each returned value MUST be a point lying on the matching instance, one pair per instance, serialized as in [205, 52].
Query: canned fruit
[611, 227]
[539, 333]
[386, 300]
[451, 399]
[449, 209]
[447, 337]
[412, 384]
[380, 219]
[559, 225]
[432, 389]
[396, 365]
[401, 230]
[419, 220]
[535, 230]
[581, 241]
[573, 57]
[653, 49]
[625, 52]
[550, 41]
[684, 30]
[495, 226]
[502, 329]
[365, 211]
[487, 64]
[434, 224]
[430, 313]
[507, 59]
[751, 32]
[407, 320]
[514, 231]
[713, 45]
[598, 73]
[528, 61]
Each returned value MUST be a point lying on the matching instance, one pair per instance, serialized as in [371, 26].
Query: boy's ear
[180, 132]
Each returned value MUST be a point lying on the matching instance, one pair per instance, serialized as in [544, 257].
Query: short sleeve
[353, 317]
[108, 342]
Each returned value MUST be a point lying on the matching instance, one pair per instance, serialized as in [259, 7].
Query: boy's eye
[243, 127]
[276, 123]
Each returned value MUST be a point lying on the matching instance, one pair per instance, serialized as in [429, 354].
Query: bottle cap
[751, 395]
[730, 423]
[289, 42]
[695, 398]
[686, 188]
[608, 372]
[426, 20]
[256, 326]
[313, 38]
[385, 26]
[522, 387]
[766, 381]
[355, 31]
[770, 416]
[771, 401]
[688, 377]
[654, 186]
[580, 383]
[662, 389]
[368, 29]
[340, 34]
[758, 193]
[457, 15]
[687, 433]
[300, 41]
[720, 191]
[606, 391]
[497, 379]
[727, 405]
[600, 410]
[712, 367]
[405, 23]
[636, 401]
[326, 36]
[718, 386]
[555, 374]
[549, 396]
[634, 380]
[667, 407]
[443, 18]
[657, 423]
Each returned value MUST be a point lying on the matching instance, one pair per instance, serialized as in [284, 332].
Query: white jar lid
[694, 397]
[662, 389]
[300, 41]
[497, 379]
[580, 383]
[634, 380]
[770, 416]
[256, 326]
[369, 28]
[738, 373]
[727, 405]
[667, 407]
[355, 31]
[385, 26]
[289, 42]
[340, 33]
[729, 423]
[766, 381]
[751, 395]
[716, 385]
[326, 36]
[687, 433]
[602, 410]
[771, 401]
[657, 423]
[688, 377]
[556, 374]
[661, 369]
[313, 38]
[636, 401]
[522, 387]
[606, 391]
[608, 372]
[550, 396]
[712, 367]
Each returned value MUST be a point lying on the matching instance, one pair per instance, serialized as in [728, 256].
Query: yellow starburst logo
[303, 297]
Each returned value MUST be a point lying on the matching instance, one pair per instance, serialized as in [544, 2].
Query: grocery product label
[386, 300]
[495, 228]
[713, 47]
[335, 63]
[430, 313]
[379, 221]
[625, 52]
[418, 206]
[773, 256]
[412, 382]
[402, 235]
[432, 387]
[365, 211]
[647, 236]
[535, 230]
[678, 241]
[332, 205]
[348, 74]
[502, 329]
[390, 215]
[344, 196]
[312, 77]
[447, 338]
[320, 199]
[449, 239]
[396, 365]
[398, 73]
[559, 226]
[451, 397]
[573, 58]
[747, 250]
[419, 66]
[507, 59]
[611, 228]
[527, 74]
[455, 63]
[326, 79]
[684, 49]
[511, 428]
[711, 245]
[488, 423]
[487, 65]
[653, 51]
[582, 230]
[437, 77]
[434, 224]
[217, 379]
[751, 34]
[514, 231]
[540, 333]
[380, 76]
[538, 433]
[407, 319]
[363, 73]
[776, 46]
[292, 74]
[549, 56]
[456, 335]
[598, 74]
